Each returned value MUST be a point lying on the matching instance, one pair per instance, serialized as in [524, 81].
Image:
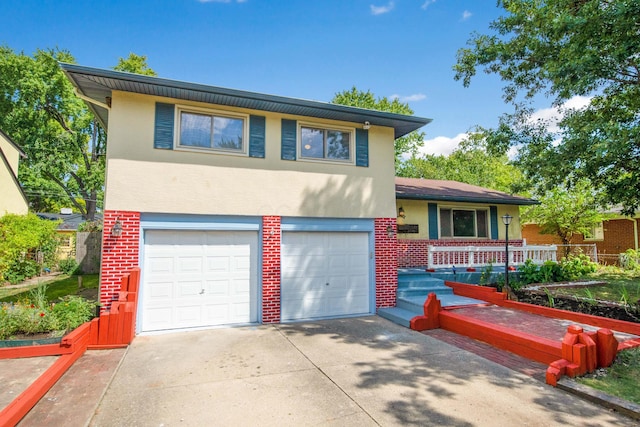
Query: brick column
[271, 237]
[386, 262]
[119, 254]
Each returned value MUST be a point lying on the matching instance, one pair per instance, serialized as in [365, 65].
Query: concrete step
[424, 291]
[397, 315]
[430, 282]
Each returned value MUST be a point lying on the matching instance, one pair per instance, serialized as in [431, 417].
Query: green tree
[135, 64]
[562, 49]
[566, 212]
[408, 144]
[469, 163]
[64, 143]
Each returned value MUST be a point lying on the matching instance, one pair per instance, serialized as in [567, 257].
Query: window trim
[596, 237]
[179, 109]
[326, 127]
[475, 218]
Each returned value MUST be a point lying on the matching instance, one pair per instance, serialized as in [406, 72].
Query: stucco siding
[12, 200]
[177, 181]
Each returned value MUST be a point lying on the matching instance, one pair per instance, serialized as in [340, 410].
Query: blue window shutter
[362, 148]
[163, 134]
[289, 138]
[493, 213]
[433, 221]
[256, 136]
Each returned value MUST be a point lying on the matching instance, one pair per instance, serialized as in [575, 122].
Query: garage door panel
[199, 278]
[324, 274]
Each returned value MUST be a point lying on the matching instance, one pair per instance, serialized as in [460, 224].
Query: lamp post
[506, 219]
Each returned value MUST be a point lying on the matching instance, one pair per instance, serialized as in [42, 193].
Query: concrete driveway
[348, 372]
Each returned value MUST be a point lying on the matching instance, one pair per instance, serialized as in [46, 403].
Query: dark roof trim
[98, 84]
[489, 200]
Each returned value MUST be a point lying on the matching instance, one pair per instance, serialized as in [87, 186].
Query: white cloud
[466, 15]
[442, 145]
[409, 98]
[554, 114]
[379, 10]
[426, 4]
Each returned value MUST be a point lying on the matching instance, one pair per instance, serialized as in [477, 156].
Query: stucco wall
[143, 179]
[12, 199]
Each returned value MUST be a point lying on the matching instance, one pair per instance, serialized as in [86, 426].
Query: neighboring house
[611, 237]
[450, 213]
[13, 199]
[241, 207]
[66, 230]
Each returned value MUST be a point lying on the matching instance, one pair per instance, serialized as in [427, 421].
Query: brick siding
[386, 260]
[271, 262]
[119, 254]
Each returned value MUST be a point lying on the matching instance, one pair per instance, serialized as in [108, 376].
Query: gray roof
[454, 191]
[97, 85]
[69, 221]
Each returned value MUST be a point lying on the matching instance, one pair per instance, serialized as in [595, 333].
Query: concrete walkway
[346, 372]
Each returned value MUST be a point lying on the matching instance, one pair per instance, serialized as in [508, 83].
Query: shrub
[35, 314]
[68, 266]
[529, 272]
[550, 271]
[575, 266]
[630, 259]
[26, 242]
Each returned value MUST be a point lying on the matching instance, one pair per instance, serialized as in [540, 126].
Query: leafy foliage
[470, 163]
[356, 98]
[68, 266]
[135, 64]
[563, 49]
[630, 260]
[22, 237]
[566, 212]
[35, 314]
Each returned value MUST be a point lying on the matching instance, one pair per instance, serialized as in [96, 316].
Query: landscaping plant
[34, 314]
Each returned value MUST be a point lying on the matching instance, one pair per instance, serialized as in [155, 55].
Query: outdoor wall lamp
[506, 219]
[116, 230]
[366, 125]
[389, 231]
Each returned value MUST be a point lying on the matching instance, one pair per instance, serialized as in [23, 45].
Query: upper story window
[326, 144]
[212, 131]
[464, 223]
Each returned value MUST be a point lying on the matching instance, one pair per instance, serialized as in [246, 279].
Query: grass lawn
[621, 379]
[60, 286]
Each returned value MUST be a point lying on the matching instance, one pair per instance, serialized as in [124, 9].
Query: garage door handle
[202, 292]
[326, 284]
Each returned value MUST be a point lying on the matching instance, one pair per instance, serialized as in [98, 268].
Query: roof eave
[402, 124]
[519, 202]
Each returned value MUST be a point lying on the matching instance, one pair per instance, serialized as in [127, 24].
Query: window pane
[195, 130]
[445, 223]
[483, 228]
[227, 133]
[312, 141]
[338, 145]
[464, 223]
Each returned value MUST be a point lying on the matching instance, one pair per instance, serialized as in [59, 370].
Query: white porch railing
[477, 256]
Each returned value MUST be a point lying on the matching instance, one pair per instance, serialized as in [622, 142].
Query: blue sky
[298, 48]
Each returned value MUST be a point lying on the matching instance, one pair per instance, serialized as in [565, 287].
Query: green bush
[35, 314]
[575, 266]
[26, 244]
[68, 266]
[550, 271]
[529, 272]
[630, 259]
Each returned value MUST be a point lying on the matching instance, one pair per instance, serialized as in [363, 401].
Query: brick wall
[414, 253]
[386, 249]
[119, 254]
[618, 237]
[271, 238]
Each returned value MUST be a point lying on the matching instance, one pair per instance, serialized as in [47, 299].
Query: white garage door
[199, 278]
[324, 274]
